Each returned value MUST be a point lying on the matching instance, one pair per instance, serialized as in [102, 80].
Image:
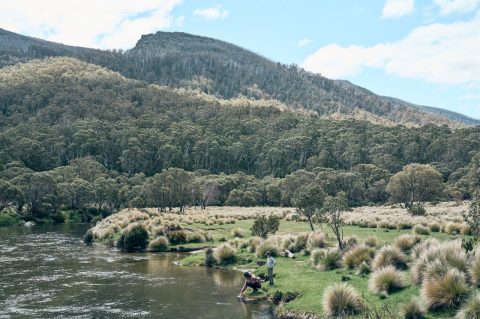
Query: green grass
[297, 275]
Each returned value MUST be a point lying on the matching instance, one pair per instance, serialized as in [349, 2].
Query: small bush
[316, 239]
[421, 230]
[177, 237]
[134, 238]
[341, 300]
[364, 269]
[371, 241]
[417, 210]
[389, 256]
[267, 245]
[325, 259]
[453, 228]
[434, 227]
[413, 310]
[7, 220]
[88, 237]
[387, 279]
[238, 232]
[471, 309]
[447, 291]
[474, 269]
[253, 243]
[404, 225]
[159, 244]
[406, 242]
[262, 226]
[357, 255]
[224, 254]
[300, 242]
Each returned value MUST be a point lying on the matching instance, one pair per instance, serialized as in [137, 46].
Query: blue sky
[423, 51]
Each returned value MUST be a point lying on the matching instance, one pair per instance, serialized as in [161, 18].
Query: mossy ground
[298, 276]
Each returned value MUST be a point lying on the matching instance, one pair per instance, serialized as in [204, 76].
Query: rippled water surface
[47, 272]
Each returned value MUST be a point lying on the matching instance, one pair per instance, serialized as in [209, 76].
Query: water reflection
[47, 272]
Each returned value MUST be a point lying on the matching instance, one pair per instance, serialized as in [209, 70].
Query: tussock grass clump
[413, 310]
[177, 237]
[447, 291]
[371, 241]
[387, 280]
[238, 232]
[195, 237]
[421, 230]
[341, 300]
[357, 255]
[471, 309]
[133, 238]
[420, 249]
[325, 259]
[224, 254]
[436, 258]
[474, 269]
[452, 228]
[316, 239]
[159, 244]
[406, 242]
[267, 245]
[389, 256]
[435, 227]
[253, 243]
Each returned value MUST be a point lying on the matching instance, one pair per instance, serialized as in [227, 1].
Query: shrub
[316, 239]
[262, 226]
[413, 310]
[421, 230]
[434, 227]
[238, 232]
[253, 243]
[404, 225]
[267, 245]
[389, 256]
[364, 269]
[471, 309]
[357, 255]
[447, 291]
[453, 228]
[159, 244]
[406, 242]
[134, 238]
[417, 210]
[387, 279]
[325, 259]
[224, 254]
[341, 300]
[210, 260]
[7, 220]
[371, 241]
[88, 237]
[177, 237]
[300, 242]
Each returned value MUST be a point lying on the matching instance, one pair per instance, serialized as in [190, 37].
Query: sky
[423, 51]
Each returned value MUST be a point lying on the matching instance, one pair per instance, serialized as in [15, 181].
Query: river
[47, 272]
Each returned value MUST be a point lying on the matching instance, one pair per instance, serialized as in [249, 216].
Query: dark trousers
[270, 275]
[254, 285]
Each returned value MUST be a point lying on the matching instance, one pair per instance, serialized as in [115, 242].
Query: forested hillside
[76, 134]
[226, 71]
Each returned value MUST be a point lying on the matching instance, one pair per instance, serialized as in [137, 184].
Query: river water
[47, 272]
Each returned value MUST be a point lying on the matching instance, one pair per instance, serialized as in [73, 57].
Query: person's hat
[268, 253]
[246, 274]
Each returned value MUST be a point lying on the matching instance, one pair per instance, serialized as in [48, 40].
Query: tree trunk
[310, 222]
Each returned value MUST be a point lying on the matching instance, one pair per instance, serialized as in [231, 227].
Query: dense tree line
[75, 135]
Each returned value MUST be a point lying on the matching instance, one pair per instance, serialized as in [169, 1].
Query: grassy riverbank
[299, 284]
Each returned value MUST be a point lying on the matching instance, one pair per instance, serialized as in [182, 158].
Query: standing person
[271, 262]
[251, 281]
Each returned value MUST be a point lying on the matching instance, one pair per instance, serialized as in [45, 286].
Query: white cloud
[91, 23]
[304, 42]
[212, 13]
[456, 6]
[179, 21]
[397, 8]
[437, 53]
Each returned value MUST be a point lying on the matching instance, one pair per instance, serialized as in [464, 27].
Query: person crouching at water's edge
[271, 262]
[251, 281]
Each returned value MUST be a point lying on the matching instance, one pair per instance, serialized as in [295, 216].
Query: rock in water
[29, 224]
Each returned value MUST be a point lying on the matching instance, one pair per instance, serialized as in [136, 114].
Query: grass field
[299, 277]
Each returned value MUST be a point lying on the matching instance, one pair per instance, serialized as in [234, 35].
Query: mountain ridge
[225, 70]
